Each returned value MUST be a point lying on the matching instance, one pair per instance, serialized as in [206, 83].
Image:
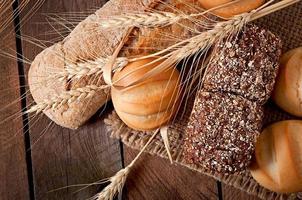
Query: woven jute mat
[288, 25]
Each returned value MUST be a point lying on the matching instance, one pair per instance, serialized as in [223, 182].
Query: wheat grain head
[147, 19]
[88, 68]
[66, 97]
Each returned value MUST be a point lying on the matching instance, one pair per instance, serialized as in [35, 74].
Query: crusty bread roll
[278, 157]
[287, 93]
[286, 56]
[150, 104]
[87, 42]
[233, 9]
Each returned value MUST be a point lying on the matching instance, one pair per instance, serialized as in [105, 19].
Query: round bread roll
[278, 157]
[239, 7]
[288, 89]
[149, 104]
[285, 57]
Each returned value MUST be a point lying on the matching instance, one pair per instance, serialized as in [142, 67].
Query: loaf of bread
[222, 131]
[89, 42]
[227, 114]
[278, 157]
[287, 93]
[246, 66]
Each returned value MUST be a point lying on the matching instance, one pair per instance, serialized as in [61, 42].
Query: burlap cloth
[288, 25]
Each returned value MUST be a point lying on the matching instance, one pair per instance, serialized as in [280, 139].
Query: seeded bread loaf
[246, 65]
[227, 115]
[222, 131]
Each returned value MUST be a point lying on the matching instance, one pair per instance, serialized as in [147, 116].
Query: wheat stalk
[65, 97]
[116, 185]
[208, 38]
[118, 181]
[153, 19]
[273, 8]
[147, 19]
[90, 67]
[186, 48]
[164, 136]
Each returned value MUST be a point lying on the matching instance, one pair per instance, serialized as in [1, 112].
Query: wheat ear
[65, 97]
[117, 182]
[90, 67]
[147, 19]
[153, 19]
[208, 38]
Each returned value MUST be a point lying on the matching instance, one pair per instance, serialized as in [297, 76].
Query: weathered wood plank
[230, 193]
[156, 178]
[13, 169]
[63, 157]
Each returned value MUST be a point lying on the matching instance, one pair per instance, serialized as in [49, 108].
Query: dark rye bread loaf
[227, 115]
[246, 66]
[222, 131]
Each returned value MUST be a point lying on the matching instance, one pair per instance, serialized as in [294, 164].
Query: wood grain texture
[13, 170]
[231, 193]
[155, 178]
[62, 157]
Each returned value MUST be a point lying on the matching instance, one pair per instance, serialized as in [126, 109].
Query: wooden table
[38, 161]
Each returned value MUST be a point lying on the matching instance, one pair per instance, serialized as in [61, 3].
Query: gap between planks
[22, 82]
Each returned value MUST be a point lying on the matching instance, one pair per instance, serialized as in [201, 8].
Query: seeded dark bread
[222, 131]
[227, 115]
[246, 65]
